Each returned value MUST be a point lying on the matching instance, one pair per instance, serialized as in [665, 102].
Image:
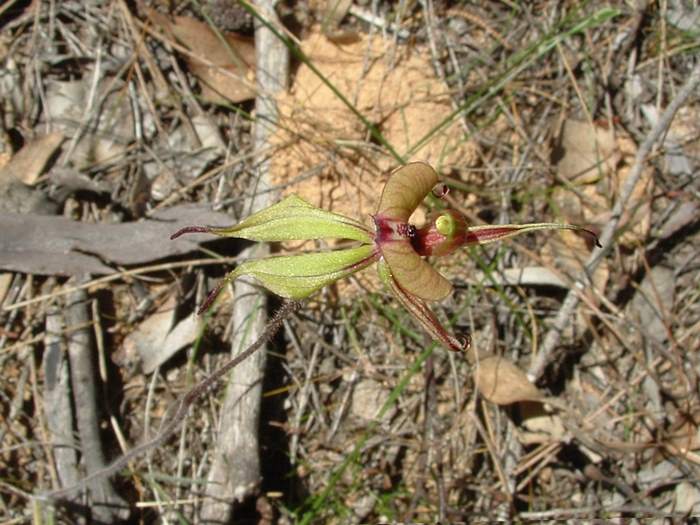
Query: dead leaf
[52, 245]
[72, 180]
[155, 340]
[585, 152]
[683, 436]
[681, 217]
[30, 162]
[685, 17]
[226, 69]
[525, 276]
[597, 162]
[5, 149]
[111, 118]
[503, 383]
[18, 198]
[681, 143]
[332, 13]
[5, 282]
[539, 425]
[652, 304]
[686, 499]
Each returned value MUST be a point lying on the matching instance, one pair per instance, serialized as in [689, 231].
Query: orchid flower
[395, 244]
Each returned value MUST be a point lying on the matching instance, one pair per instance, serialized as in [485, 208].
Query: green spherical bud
[446, 225]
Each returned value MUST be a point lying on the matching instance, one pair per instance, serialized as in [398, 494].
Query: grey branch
[107, 506]
[235, 470]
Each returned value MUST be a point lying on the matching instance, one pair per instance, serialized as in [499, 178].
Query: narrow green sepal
[294, 219]
[298, 276]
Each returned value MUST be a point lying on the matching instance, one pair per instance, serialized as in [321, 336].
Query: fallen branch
[235, 468]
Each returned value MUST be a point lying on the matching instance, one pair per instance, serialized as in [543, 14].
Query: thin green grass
[313, 509]
[516, 65]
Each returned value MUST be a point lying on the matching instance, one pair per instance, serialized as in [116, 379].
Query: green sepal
[298, 276]
[294, 219]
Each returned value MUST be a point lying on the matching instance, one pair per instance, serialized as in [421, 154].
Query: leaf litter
[629, 392]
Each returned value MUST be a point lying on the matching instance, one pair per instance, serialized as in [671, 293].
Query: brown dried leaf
[686, 499]
[29, 163]
[539, 426]
[683, 435]
[585, 153]
[157, 338]
[652, 304]
[226, 70]
[598, 162]
[332, 13]
[503, 383]
[111, 120]
[5, 282]
[368, 398]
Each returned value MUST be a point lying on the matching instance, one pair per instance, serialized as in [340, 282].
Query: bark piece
[235, 471]
[57, 403]
[55, 245]
[106, 505]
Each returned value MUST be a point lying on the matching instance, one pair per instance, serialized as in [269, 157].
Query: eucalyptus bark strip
[235, 471]
[107, 506]
[56, 400]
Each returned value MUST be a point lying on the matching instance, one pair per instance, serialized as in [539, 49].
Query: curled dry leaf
[585, 156]
[596, 160]
[652, 305]
[368, 398]
[503, 383]
[686, 499]
[584, 153]
[29, 163]
[224, 63]
[683, 436]
[71, 105]
[160, 336]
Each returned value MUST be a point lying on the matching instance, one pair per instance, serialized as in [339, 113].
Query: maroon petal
[420, 311]
[412, 273]
[405, 190]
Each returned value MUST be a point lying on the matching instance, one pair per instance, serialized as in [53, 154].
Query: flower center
[392, 229]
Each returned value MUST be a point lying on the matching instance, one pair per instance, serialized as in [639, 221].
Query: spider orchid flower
[395, 244]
